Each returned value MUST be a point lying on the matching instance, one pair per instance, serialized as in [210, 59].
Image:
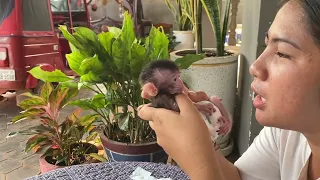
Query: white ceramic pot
[217, 76]
[186, 39]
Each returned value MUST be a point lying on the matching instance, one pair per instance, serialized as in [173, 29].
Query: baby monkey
[160, 81]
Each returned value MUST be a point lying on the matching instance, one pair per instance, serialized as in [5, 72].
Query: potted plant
[216, 74]
[62, 142]
[184, 30]
[109, 64]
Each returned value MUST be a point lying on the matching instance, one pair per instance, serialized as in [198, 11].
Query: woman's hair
[311, 9]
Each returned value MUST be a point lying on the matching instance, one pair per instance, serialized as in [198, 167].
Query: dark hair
[311, 9]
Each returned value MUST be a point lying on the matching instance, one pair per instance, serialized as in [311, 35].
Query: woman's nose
[259, 69]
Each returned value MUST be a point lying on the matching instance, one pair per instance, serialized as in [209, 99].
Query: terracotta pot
[45, 166]
[145, 152]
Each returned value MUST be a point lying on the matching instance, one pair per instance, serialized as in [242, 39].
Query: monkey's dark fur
[163, 99]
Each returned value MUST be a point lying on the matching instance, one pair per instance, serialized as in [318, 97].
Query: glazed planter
[214, 75]
[144, 152]
[186, 39]
[46, 162]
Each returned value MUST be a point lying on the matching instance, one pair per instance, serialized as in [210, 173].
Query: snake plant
[220, 29]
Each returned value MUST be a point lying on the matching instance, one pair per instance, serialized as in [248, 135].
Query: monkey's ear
[149, 90]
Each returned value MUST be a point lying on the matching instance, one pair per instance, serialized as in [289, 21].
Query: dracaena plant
[60, 139]
[109, 64]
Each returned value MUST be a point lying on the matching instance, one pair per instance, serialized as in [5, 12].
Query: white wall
[157, 11]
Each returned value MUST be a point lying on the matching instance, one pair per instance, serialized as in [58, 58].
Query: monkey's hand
[198, 96]
[206, 109]
[225, 125]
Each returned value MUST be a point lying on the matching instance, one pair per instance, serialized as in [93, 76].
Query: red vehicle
[29, 37]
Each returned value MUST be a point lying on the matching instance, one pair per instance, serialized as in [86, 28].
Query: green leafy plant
[182, 14]
[219, 25]
[63, 142]
[109, 64]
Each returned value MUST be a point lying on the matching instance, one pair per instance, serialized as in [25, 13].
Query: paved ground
[15, 164]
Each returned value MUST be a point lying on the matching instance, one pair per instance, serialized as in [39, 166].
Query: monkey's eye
[175, 79]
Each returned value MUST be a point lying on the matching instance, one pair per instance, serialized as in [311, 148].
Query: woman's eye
[283, 55]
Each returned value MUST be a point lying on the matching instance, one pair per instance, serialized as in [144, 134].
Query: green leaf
[187, 60]
[89, 119]
[91, 78]
[105, 39]
[115, 31]
[98, 101]
[76, 44]
[92, 136]
[157, 44]
[33, 102]
[35, 140]
[121, 47]
[46, 76]
[98, 157]
[92, 64]
[123, 121]
[46, 91]
[29, 114]
[82, 103]
[139, 59]
[74, 60]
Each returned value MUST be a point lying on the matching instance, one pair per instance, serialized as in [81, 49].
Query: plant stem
[198, 28]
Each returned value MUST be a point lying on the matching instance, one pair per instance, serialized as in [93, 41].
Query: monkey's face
[176, 84]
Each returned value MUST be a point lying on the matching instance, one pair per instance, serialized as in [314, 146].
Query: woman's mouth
[259, 102]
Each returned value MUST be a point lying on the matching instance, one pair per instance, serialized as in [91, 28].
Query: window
[6, 8]
[36, 15]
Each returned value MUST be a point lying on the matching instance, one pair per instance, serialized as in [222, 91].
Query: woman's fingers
[185, 105]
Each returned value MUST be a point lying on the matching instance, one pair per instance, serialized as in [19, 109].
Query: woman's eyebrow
[275, 40]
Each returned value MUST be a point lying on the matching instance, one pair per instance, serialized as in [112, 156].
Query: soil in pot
[48, 163]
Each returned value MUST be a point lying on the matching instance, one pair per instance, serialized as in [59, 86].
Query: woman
[287, 84]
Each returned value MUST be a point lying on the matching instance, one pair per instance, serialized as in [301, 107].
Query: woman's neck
[314, 161]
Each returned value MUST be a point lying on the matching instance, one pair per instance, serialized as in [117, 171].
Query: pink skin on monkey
[176, 85]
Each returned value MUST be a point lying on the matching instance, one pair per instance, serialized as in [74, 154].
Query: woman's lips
[259, 102]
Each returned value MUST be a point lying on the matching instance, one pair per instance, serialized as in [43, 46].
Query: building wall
[157, 11]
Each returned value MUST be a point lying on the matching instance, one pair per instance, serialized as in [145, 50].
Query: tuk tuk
[29, 37]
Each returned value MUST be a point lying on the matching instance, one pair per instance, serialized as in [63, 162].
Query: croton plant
[63, 141]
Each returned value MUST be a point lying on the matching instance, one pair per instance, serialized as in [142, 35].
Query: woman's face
[287, 75]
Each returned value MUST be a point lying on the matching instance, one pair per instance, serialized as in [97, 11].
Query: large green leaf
[138, 60]
[74, 60]
[157, 44]
[91, 64]
[46, 76]
[121, 47]
[98, 101]
[83, 103]
[91, 78]
[76, 44]
[187, 60]
[106, 39]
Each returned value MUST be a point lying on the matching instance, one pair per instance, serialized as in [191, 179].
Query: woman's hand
[184, 137]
